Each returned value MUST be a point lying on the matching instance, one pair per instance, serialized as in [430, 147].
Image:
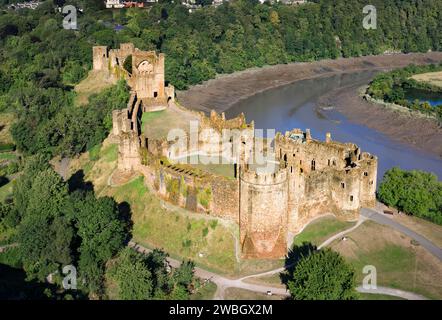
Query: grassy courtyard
[158, 124]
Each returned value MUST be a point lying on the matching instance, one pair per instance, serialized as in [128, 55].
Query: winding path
[341, 234]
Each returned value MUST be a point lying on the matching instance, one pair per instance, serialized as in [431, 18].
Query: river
[433, 98]
[295, 106]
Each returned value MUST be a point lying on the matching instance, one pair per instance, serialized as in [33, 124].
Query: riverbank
[225, 91]
[422, 133]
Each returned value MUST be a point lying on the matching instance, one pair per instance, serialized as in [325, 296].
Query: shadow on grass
[76, 182]
[293, 257]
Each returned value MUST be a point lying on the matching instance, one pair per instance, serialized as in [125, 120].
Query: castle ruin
[306, 178]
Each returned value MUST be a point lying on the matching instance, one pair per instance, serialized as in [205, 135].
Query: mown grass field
[321, 229]
[242, 294]
[370, 296]
[399, 262]
[434, 78]
[429, 230]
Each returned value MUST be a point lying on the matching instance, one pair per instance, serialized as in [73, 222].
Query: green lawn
[399, 262]
[321, 229]
[206, 292]
[148, 117]
[8, 156]
[371, 296]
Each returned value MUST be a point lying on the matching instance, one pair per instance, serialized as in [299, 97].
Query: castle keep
[146, 77]
[301, 178]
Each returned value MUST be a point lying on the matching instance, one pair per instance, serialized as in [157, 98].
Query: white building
[118, 4]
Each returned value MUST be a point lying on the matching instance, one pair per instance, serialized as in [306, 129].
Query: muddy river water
[296, 106]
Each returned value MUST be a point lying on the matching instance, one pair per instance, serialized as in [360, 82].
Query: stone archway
[145, 67]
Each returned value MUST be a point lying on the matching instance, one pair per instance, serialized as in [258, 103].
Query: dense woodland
[57, 223]
[392, 87]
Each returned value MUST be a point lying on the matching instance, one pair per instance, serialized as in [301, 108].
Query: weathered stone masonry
[311, 177]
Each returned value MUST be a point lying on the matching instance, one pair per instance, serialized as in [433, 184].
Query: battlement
[219, 122]
[263, 178]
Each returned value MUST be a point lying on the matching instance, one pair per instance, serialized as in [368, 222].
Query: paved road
[385, 220]
[393, 292]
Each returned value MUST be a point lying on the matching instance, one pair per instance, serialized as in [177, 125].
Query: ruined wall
[147, 78]
[368, 165]
[324, 177]
[194, 190]
[148, 72]
[129, 151]
[100, 58]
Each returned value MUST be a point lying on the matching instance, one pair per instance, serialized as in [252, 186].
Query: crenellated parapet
[263, 178]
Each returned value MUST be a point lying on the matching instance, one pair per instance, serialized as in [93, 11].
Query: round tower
[263, 213]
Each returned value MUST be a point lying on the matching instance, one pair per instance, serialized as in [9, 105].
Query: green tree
[132, 275]
[102, 234]
[322, 275]
[45, 245]
[48, 195]
[414, 192]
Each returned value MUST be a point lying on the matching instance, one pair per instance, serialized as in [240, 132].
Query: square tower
[100, 58]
